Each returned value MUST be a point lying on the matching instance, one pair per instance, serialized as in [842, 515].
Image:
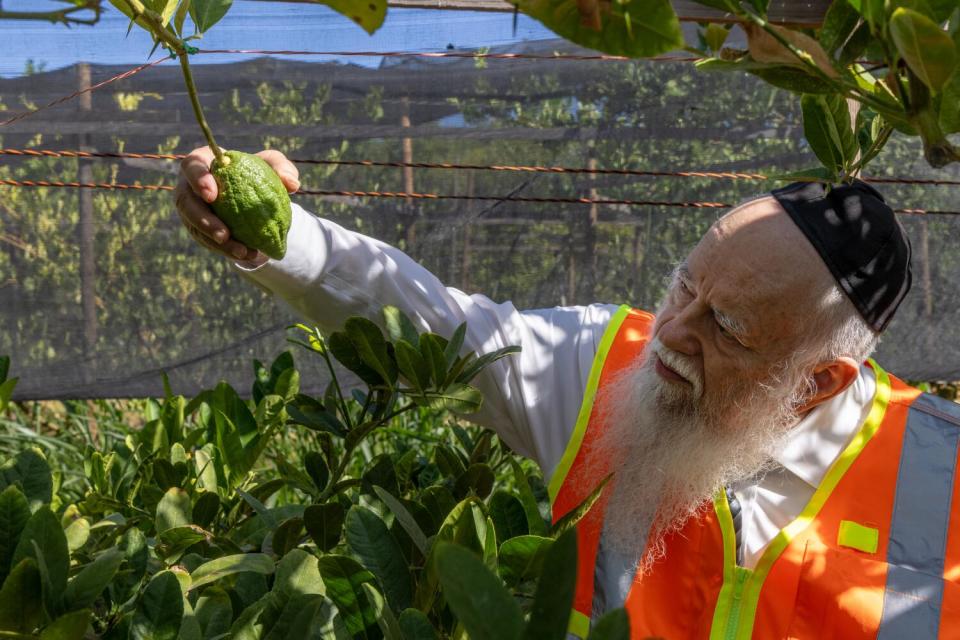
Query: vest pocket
[840, 594]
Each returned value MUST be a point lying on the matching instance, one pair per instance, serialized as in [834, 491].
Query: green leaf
[481, 603]
[439, 502]
[783, 76]
[189, 626]
[369, 14]
[230, 565]
[950, 104]
[316, 467]
[927, 49]
[4, 368]
[174, 510]
[124, 8]
[287, 535]
[181, 17]
[535, 522]
[72, 626]
[288, 384]
[298, 574]
[261, 509]
[871, 10]
[522, 557]
[206, 13]
[347, 354]
[84, 588]
[459, 397]
[30, 471]
[379, 551]
[344, 578]
[21, 598]
[839, 23]
[381, 473]
[793, 79]
[634, 28]
[14, 513]
[137, 554]
[555, 588]
[176, 540]
[826, 126]
[431, 349]
[312, 414]
[6, 392]
[509, 518]
[412, 365]
[214, 612]
[613, 625]
[399, 326]
[368, 340]
[385, 618]
[416, 626]
[574, 516]
[314, 618]
[246, 626]
[452, 351]
[470, 372]
[160, 609]
[477, 480]
[715, 35]
[43, 532]
[405, 519]
[324, 523]
[206, 508]
[448, 461]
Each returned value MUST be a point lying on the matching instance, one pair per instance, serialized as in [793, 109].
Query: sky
[252, 24]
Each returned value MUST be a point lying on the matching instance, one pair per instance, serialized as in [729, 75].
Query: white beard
[671, 447]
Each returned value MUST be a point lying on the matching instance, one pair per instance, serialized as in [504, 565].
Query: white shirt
[531, 399]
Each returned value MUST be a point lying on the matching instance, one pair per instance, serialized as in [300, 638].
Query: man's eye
[684, 289]
[726, 334]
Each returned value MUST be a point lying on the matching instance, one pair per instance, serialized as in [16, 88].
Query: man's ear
[830, 378]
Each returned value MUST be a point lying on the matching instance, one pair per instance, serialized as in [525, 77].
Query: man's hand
[197, 189]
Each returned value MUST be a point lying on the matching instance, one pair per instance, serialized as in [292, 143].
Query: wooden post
[87, 237]
[410, 206]
[583, 239]
[467, 232]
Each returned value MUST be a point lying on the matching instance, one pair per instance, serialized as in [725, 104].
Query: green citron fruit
[252, 202]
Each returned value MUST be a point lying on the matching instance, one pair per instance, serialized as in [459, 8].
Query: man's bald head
[769, 266]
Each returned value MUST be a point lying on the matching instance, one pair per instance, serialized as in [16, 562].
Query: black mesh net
[102, 290]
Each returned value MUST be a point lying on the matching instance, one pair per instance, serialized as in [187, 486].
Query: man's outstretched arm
[531, 399]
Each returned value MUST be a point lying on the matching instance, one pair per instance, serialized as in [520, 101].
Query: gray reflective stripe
[921, 519]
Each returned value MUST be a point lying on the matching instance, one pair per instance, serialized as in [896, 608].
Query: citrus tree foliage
[162, 300]
[898, 59]
[348, 515]
[910, 83]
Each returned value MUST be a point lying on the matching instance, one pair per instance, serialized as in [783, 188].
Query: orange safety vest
[874, 554]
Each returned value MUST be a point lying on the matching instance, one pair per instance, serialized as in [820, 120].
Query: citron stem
[198, 110]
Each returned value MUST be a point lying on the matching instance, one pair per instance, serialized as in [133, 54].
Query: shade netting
[102, 290]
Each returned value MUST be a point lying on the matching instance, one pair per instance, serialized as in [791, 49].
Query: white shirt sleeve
[531, 399]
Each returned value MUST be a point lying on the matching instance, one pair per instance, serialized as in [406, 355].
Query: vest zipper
[736, 602]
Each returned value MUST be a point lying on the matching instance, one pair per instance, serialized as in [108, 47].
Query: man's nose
[678, 333]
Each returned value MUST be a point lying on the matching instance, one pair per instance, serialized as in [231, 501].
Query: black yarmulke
[860, 240]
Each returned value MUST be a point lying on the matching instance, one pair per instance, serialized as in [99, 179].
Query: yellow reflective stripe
[829, 483]
[857, 536]
[586, 408]
[722, 611]
[579, 624]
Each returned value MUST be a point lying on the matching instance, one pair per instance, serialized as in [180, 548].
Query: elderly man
[767, 481]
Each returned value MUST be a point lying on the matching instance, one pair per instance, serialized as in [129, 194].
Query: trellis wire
[425, 196]
[720, 175]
